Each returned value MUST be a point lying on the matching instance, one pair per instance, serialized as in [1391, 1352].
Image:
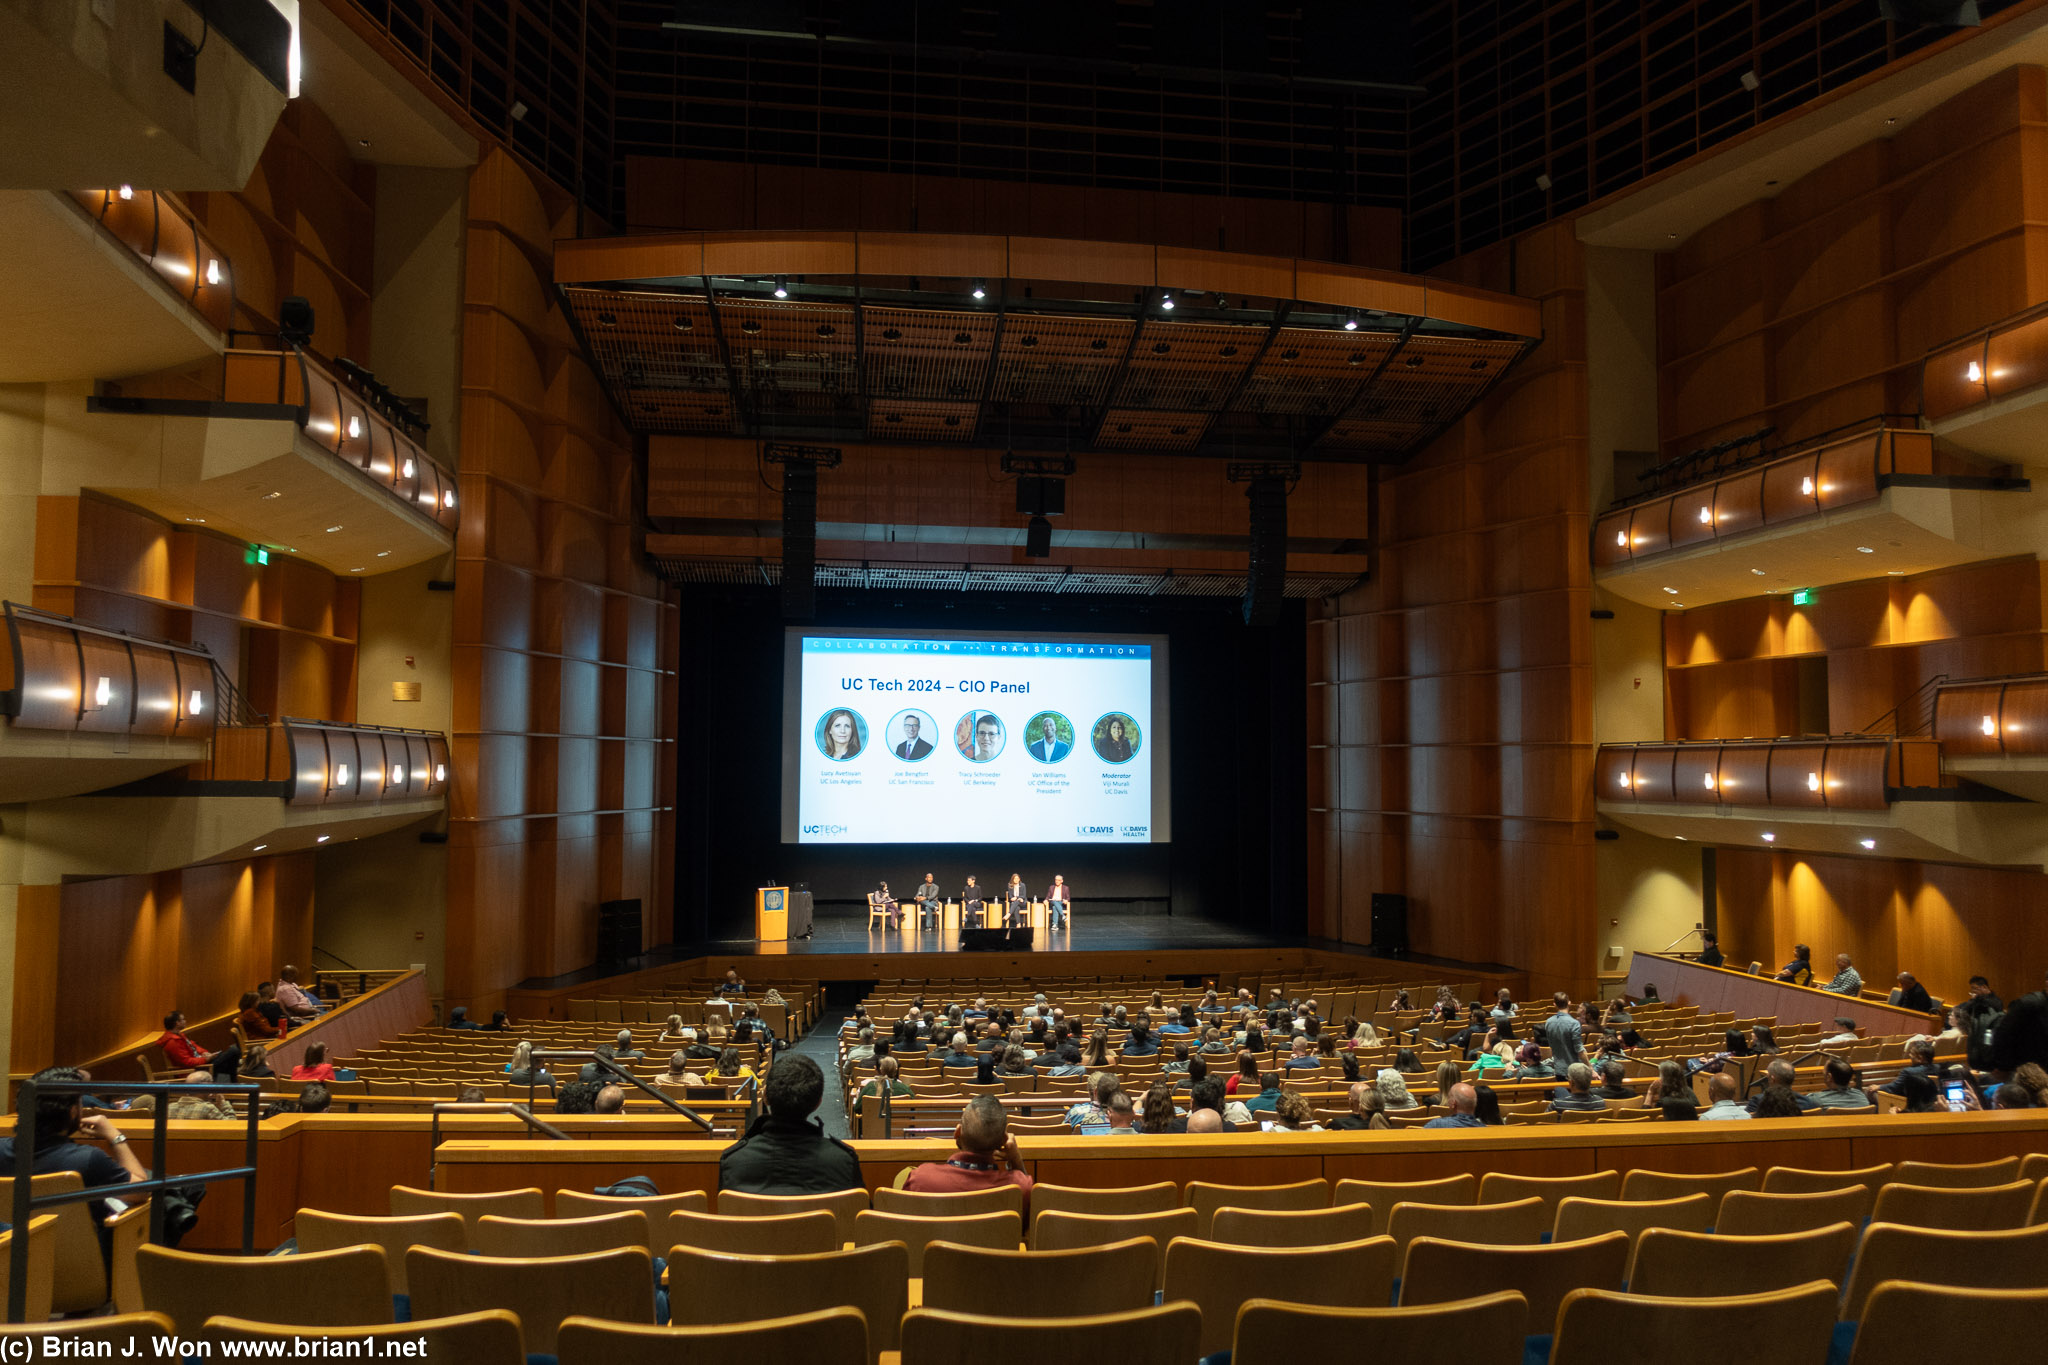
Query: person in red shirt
[314, 1067]
[987, 1156]
[253, 1023]
[181, 1052]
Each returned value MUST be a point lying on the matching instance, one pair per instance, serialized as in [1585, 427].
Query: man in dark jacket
[785, 1151]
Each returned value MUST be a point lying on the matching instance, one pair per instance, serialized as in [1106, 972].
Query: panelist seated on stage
[1016, 902]
[970, 895]
[929, 898]
[880, 899]
[1059, 899]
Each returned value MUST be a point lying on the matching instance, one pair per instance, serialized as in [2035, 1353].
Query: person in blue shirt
[1268, 1096]
[1301, 1059]
[1141, 1044]
[1463, 1101]
[1184, 1023]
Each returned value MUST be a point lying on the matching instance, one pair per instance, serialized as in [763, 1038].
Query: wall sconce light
[1706, 516]
[1625, 780]
[1708, 778]
[440, 772]
[406, 471]
[340, 775]
[1990, 723]
[195, 703]
[355, 427]
[1975, 374]
[213, 272]
[102, 693]
[447, 497]
[1813, 782]
[1621, 539]
[1806, 486]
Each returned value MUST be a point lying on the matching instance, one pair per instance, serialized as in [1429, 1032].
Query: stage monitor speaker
[618, 931]
[799, 541]
[1390, 923]
[995, 940]
[1267, 575]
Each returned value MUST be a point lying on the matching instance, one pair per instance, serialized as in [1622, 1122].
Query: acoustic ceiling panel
[927, 353]
[1055, 360]
[1315, 372]
[1131, 429]
[900, 421]
[1179, 366]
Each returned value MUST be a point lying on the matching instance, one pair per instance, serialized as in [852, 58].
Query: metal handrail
[1882, 421]
[26, 1201]
[517, 1111]
[607, 1064]
[1925, 692]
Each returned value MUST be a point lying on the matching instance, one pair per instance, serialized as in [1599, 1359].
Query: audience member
[1093, 1112]
[295, 999]
[1158, 1109]
[1919, 1062]
[1394, 1091]
[1122, 1116]
[1247, 1071]
[1268, 1097]
[458, 1018]
[315, 1099]
[1563, 1034]
[987, 1156]
[56, 1121]
[1779, 1077]
[1293, 1114]
[1845, 1032]
[610, 1100]
[472, 1094]
[313, 1065]
[501, 1022]
[577, 1097]
[1721, 1090]
[1578, 1091]
[1206, 1093]
[522, 1070]
[1487, 1111]
[1613, 1081]
[887, 1075]
[252, 1020]
[1799, 971]
[1842, 1092]
[1911, 995]
[1463, 1102]
[199, 1103]
[1776, 1102]
[1922, 1093]
[1763, 1042]
[785, 1150]
[1368, 1110]
[1207, 1121]
[624, 1049]
[1710, 950]
[1846, 980]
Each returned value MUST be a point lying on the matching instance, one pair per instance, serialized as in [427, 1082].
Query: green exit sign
[1802, 597]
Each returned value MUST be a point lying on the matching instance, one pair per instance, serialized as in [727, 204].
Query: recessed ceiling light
[325, 837]
[259, 848]
[1758, 572]
[1680, 838]
[1869, 843]
[1896, 573]
[332, 529]
[355, 570]
[1678, 604]
[1770, 838]
[383, 554]
[200, 520]
[1865, 550]
[269, 496]
[1672, 591]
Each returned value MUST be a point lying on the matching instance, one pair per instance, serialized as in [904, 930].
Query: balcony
[276, 449]
[1851, 794]
[106, 282]
[1854, 507]
[1994, 731]
[1985, 392]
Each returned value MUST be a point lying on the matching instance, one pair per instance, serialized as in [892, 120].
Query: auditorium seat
[617, 1285]
[1001, 1231]
[1115, 1278]
[1382, 1195]
[1292, 1227]
[1974, 1176]
[1959, 1210]
[497, 1236]
[1902, 1317]
[832, 1336]
[1746, 1213]
[41, 1276]
[1436, 1271]
[1205, 1198]
[83, 1338]
[1487, 1330]
[1054, 1230]
[841, 1204]
[1794, 1180]
[1499, 1187]
[1787, 1327]
[1672, 1185]
[344, 1288]
[1001, 1199]
[783, 1234]
[1674, 1263]
[526, 1203]
[489, 1336]
[657, 1207]
[1522, 1223]
[2015, 1258]
[725, 1289]
[1164, 1335]
[1220, 1278]
[1578, 1219]
[1155, 1198]
[80, 1281]
[317, 1231]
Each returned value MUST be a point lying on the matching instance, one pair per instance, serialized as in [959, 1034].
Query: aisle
[821, 1045]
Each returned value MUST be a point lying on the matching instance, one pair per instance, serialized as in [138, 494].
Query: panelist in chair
[1059, 899]
[970, 902]
[881, 900]
[928, 899]
[1016, 903]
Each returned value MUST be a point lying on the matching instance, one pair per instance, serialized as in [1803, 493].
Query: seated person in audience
[1733, 1044]
[256, 1063]
[1488, 1108]
[860, 1054]
[459, 1018]
[672, 1031]
[1763, 1042]
[1477, 1026]
[1300, 1058]
[730, 1066]
[522, 1070]
[577, 1097]
[1530, 1064]
[886, 1074]
[1922, 1093]
[1246, 1077]
[1093, 1112]
[1177, 1065]
[1842, 1092]
[1394, 1096]
[56, 1124]
[678, 1072]
[1368, 1110]
[178, 1049]
[1919, 1061]
[199, 1103]
[624, 1049]
[591, 1070]
[254, 1025]
[1578, 1091]
[1845, 1033]
[1215, 1044]
[1141, 1042]
[472, 1094]
[1776, 1102]
[732, 985]
[1123, 1116]
[610, 1100]
[1613, 1081]
[501, 1022]
[1448, 1074]
[294, 999]
[315, 1099]
[313, 1066]
[1293, 1114]
[987, 1156]
[1180, 1024]
[785, 1150]
[1779, 1076]
[1846, 980]
[960, 1052]
[1157, 1108]
[1911, 995]
[1463, 1102]
[1721, 1089]
[1672, 1088]
[1206, 1093]
[227, 1065]
[1710, 950]
[1207, 1121]
[992, 1038]
[1497, 1060]
[1406, 1062]
[1799, 971]
[1268, 1097]
[1014, 1063]
[1099, 1053]
[1504, 1006]
[978, 1010]
[1066, 1062]
[1982, 994]
[266, 1004]
[696, 1051]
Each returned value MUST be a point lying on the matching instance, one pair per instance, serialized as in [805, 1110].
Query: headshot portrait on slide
[978, 736]
[910, 734]
[1049, 736]
[1115, 737]
[840, 735]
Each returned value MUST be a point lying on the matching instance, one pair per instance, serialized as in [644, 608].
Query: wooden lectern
[771, 914]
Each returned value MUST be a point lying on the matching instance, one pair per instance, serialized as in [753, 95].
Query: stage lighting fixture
[295, 321]
[1166, 302]
[781, 287]
[1351, 322]
[981, 289]
[1038, 539]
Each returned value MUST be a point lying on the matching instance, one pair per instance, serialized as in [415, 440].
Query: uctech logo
[1094, 829]
[827, 829]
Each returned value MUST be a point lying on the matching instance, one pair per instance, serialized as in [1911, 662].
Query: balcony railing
[1997, 362]
[1993, 717]
[354, 765]
[65, 675]
[1844, 773]
[170, 241]
[1805, 483]
[342, 421]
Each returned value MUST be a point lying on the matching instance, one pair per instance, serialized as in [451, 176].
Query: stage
[1092, 931]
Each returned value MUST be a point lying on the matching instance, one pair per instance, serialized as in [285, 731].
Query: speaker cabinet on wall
[799, 541]
[1267, 577]
[1390, 923]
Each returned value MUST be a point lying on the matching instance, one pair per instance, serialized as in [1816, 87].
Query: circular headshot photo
[910, 735]
[979, 736]
[1116, 738]
[840, 734]
[1049, 736]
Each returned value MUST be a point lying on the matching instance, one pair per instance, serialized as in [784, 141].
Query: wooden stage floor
[1091, 932]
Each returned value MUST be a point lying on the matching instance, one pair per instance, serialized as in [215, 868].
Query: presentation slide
[970, 738]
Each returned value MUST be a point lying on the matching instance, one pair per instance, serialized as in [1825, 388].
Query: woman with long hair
[842, 735]
[1098, 1054]
[1156, 1109]
[1488, 1111]
[1763, 1041]
[1113, 746]
[1247, 1075]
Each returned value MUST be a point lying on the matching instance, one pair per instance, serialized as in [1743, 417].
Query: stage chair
[1900, 1317]
[1793, 1180]
[1220, 1278]
[526, 1203]
[2006, 1259]
[1522, 1223]
[1054, 1230]
[875, 910]
[997, 1231]
[1956, 1210]
[789, 1234]
[1938, 1176]
[487, 1337]
[1382, 1195]
[841, 1204]
[737, 1289]
[1001, 1199]
[1789, 1325]
[616, 1285]
[1748, 1214]
[1123, 1199]
[1437, 1271]
[1165, 1335]
[831, 1336]
[345, 1288]
[1115, 1278]
[1488, 1331]
[1292, 1227]
[529, 1237]
[1205, 1198]
[1680, 1264]
[1674, 1185]
[316, 1231]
